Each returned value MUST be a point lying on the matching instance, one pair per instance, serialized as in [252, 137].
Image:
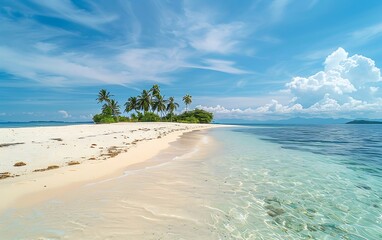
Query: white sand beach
[52, 159]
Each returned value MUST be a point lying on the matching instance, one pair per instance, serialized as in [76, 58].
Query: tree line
[149, 106]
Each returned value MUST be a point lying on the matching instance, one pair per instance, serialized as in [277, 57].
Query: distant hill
[363, 122]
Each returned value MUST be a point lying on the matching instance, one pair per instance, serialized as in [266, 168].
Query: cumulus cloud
[274, 109]
[342, 77]
[64, 114]
[348, 86]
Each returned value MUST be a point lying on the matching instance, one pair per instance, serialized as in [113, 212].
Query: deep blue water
[360, 145]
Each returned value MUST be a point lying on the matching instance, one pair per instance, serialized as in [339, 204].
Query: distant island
[363, 122]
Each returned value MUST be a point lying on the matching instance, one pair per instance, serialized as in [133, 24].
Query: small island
[363, 122]
[149, 106]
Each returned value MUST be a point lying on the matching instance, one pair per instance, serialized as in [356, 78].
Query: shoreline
[33, 187]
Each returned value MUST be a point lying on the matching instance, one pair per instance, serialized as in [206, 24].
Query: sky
[252, 60]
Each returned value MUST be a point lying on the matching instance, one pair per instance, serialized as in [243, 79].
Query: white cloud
[72, 69]
[368, 33]
[200, 29]
[241, 83]
[277, 8]
[152, 63]
[62, 56]
[64, 114]
[221, 38]
[155, 63]
[342, 77]
[277, 108]
[28, 113]
[347, 87]
[273, 110]
[334, 60]
[86, 117]
[220, 66]
[65, 9]
[58, 70]
[241, 102]
[45, 47]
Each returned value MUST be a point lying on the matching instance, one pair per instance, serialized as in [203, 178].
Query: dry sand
[168, 196]
[59, 158]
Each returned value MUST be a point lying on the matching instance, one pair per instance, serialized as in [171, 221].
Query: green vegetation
[196, 116]
[110, 108]
[148, 117]
[149, 106]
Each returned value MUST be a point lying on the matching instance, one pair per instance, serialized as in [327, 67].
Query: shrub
[134, 118]
[123, 119]
[107, 111]
[148, 117]
[97, 118]
[190, 119]
[103, 118]
[199, 114]
[107, 119]
[170, 117]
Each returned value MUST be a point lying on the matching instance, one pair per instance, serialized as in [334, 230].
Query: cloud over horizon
[348, 86]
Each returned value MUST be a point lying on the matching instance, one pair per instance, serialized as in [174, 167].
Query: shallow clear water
[300, 182]
[291, 182]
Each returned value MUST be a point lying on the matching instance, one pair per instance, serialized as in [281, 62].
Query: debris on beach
[19, 164]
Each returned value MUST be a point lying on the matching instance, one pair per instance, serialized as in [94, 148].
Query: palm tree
[159, 104]
[114, 106]
[103, 96]
[171, 106]
[131, 104]
[144, 101]
[155, 91]
[106, 110]
[187, 99]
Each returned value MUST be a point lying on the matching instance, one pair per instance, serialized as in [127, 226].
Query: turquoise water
[299, 182]
[284, 182]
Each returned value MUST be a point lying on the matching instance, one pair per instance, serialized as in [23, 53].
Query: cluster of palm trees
[148, 101]
[110, 105]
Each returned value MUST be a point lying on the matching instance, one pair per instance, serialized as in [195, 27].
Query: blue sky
[253, 60]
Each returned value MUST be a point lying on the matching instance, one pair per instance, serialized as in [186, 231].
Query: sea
[244, 182]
